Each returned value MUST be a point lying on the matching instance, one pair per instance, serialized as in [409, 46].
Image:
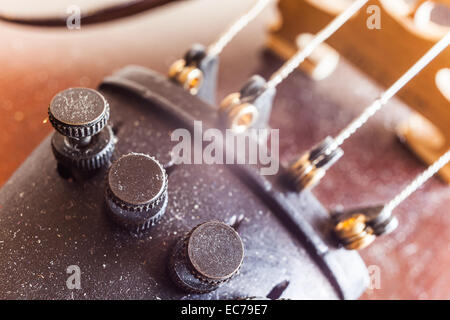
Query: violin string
[389, 93]
[320, 37]
[416, 184]
[217, 47]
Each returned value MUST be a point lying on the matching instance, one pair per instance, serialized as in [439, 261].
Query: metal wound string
[320, 37]
[416, 184]
[217, 47]
[389, 93]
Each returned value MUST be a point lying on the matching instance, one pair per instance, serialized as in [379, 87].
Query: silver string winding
[416, 184]
[217, 47]
[389, 93]
[320, 37]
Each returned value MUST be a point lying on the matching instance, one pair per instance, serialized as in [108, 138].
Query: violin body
[50, 223]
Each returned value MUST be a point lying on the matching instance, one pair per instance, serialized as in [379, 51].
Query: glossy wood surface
[36, 63]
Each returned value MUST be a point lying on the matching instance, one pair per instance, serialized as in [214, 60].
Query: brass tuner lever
[356, 229]
[197, 73]
[309, 169]
[249, 108]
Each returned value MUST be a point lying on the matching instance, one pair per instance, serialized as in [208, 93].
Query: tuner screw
[189, 76]
[237, 115]
[136, 191]
[310, 168]
[357, 229]
[208, 256]
[353, 232]
[83, 139]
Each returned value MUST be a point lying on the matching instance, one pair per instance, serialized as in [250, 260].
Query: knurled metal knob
[83, 140]
[136, 191]
[78, 112]
[354, 233]
[209, 255]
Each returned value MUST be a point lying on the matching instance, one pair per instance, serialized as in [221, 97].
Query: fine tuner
[241, 112]
[197, 71]
[311, 167]
[205, 231]
[356, 229]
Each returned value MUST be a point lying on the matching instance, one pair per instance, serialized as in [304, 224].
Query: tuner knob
[83, 140]
[136, 191]
[208, 256]
[78, 112]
